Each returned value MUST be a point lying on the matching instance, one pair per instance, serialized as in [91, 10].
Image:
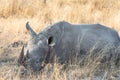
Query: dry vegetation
[15, 13]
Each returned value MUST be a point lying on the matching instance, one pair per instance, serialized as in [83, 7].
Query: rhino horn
[32, 33]
[21, 57]
[27, 55]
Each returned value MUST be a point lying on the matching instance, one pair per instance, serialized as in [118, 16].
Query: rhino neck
[56, 31]
[50, 56]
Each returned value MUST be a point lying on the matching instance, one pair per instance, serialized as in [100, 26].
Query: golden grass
[40, 13]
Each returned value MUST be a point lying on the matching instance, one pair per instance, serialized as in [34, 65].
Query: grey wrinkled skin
[65, 41]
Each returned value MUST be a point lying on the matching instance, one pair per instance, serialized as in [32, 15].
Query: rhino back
[72, 39]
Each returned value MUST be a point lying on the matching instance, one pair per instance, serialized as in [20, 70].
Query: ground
[40, 13]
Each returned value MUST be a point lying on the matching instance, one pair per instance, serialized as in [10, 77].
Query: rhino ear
[50, 41]
[32, 33]
[21, 57]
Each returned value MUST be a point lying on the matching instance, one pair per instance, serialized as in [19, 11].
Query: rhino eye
[37, 62]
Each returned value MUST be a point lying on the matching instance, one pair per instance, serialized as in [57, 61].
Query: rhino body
[66, 42]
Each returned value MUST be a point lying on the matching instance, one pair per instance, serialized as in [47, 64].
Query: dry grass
[9, 70]
[40, 13]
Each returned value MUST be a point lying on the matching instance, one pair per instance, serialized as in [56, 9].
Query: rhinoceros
[66, 41]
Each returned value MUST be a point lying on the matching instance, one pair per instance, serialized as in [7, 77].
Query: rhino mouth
[38, 69]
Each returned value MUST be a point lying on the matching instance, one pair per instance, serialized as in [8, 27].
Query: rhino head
[37, 52]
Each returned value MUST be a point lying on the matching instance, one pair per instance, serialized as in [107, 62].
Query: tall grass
[92, 70]
[76, 11]
[40, 13]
